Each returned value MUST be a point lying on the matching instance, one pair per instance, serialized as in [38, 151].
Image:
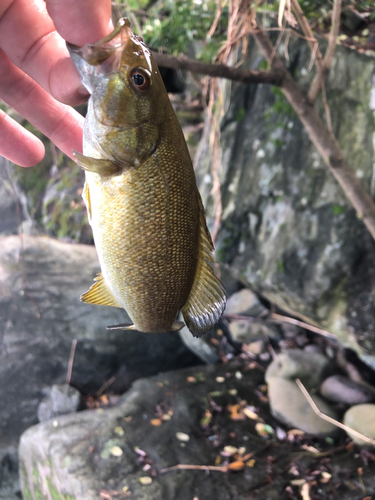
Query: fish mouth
[96, 53]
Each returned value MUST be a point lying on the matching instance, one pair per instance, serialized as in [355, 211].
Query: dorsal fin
[207, 299]
[100, 294]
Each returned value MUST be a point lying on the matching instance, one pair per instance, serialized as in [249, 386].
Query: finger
[82, 22]
[61, 123]
[12, 136]
[28, 36]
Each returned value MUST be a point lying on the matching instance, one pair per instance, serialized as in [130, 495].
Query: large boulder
[287, 230]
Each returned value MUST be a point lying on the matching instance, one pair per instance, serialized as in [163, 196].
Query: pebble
[340, 389]
[61, 400]
[244, 302]
[310, 367]
[361, 418]
[290, 407]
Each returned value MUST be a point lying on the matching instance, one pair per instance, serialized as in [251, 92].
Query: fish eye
[140, 79]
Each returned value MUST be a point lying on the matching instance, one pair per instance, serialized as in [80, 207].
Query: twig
[330, 419]
[328, 57]
[284, 319]
[71, 360]
[302, 324]
[104, 386]
[305, 27]
[219, 468]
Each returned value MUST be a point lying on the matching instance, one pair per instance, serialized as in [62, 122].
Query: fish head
[123, 79]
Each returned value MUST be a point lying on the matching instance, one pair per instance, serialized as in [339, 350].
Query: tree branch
[273, 77]
[324, 141]
[328, 57]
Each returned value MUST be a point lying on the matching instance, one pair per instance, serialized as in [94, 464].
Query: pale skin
[38, 77]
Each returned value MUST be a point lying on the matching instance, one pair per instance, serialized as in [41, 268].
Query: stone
[309, 367]
[340, 389]
[289, 405]
[361, 418]
[248, 331]
[287, 232]
[62, 399]
[244, 302]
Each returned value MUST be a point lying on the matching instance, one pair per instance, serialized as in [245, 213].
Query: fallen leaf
[145, 480]
[237, 465]
[305, 492]
[156, 422]
[264, 430]
[119, 431]
[218, 460]
[128, 419]
[181, 436]
[233, 392]
[236, 412]
[250, 463]
[230, 450]
[116, 451]
[250, 413]
[325, 477]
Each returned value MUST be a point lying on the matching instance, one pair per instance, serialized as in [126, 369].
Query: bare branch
[312, 41]
[328, 57]
[330, 419]
[219, 70]
[323, 140]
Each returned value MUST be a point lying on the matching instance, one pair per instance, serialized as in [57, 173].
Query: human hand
[38, 75]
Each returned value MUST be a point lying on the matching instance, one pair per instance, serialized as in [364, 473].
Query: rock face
[287, 230]
[41, 280]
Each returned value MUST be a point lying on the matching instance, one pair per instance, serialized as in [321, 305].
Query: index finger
[29, 38]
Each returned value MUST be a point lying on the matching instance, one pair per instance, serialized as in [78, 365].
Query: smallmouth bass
[142, 200]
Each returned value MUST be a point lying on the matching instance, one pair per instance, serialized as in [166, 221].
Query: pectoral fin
[100, 294]
[87, 200]
[105, 168]
[207, 299]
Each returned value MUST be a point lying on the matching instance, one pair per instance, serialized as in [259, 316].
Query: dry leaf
[181, 436]
[116, 451]
[325, 477]
[230, 450]
[236, 412]
[119, 431]
[250, 413]
[145, 480]
[237, 465]
[250, 463]
[156, 422]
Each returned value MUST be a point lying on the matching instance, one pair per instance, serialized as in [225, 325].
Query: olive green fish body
[141, 195]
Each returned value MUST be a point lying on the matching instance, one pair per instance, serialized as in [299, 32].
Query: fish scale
[143, 204]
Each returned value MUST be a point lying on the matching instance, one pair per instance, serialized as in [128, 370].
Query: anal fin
[207, 299]
[100, 294]
[105, 168]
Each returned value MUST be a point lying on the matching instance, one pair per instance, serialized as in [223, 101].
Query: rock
[248, 331]
[83, 453]
[244, 302]
[37, 328]
[61, 400]
[340, 389]
[288, 232]
[361, 418]
[289, 405]
[309, 367]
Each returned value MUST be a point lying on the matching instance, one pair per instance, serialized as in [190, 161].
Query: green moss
[280, 266]
[338, 209]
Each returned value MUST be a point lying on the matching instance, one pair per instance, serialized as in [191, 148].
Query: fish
[148, 221]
